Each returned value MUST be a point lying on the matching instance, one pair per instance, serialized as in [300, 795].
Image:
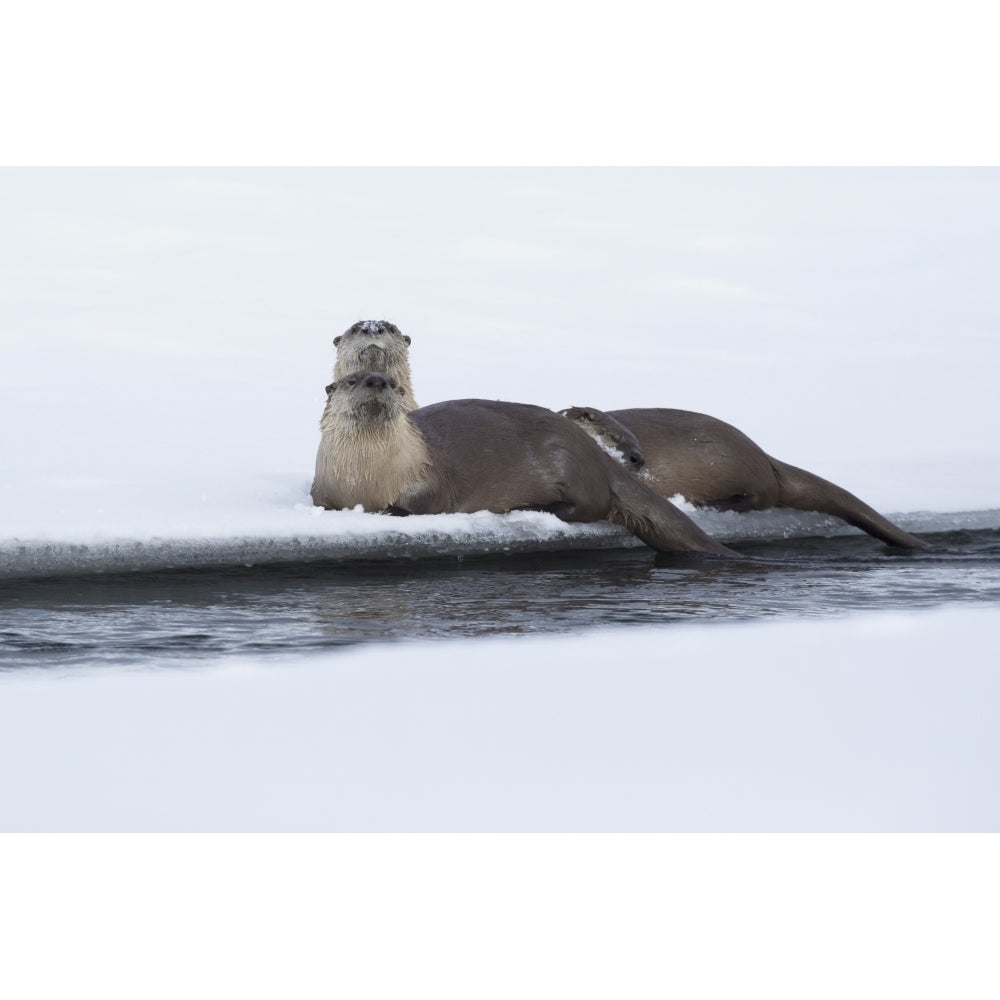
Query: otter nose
[376, 382]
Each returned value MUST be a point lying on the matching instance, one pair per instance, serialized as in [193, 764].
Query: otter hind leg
[657, 521]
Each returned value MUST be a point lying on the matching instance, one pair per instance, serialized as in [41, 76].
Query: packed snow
[275, 522]
[876, 723]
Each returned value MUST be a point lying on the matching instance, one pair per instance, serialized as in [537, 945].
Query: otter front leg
[394, 511]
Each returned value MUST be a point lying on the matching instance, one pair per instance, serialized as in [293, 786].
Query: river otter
[705, 460]
[378, 346]
[468, 455]
[712, 464]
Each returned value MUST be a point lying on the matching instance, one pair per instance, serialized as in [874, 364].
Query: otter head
[613, 437]
[364, 398]
[370, 345]
[375, 346]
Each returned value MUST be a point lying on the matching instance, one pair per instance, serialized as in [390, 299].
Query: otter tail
[657, 521]
[805, 491]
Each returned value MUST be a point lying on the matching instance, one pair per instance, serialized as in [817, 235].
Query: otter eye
[352, 381]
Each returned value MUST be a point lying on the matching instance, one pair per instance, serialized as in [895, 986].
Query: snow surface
[109, 527]
[874, 723]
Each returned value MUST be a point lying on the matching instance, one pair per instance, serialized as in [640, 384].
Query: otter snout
[367, 380]
[365, 396]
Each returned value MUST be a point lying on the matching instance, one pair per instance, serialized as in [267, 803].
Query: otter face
[372, 345]
[372, 330]
[612, 436]
[375, 381]
[364, 396]
[631, 457]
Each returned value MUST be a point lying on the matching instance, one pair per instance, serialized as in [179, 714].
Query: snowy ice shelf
[363, 537]
[304, 534]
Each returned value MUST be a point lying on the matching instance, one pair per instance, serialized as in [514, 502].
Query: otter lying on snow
[712, 464]
[467, 455]
[705, 460]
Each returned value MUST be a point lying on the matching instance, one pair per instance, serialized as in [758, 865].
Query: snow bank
[307, 534]
[95, 526]
[872, 723]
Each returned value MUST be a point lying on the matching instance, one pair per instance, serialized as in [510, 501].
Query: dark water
[177, 617]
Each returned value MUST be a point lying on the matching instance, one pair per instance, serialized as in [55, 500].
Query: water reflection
[180, 616]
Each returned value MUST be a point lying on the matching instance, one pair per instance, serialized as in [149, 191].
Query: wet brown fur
[468, 455]
[713, 464]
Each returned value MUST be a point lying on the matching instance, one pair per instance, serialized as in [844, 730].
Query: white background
[868, 83]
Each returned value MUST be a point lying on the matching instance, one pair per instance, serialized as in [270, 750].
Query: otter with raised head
[468, 455]
[707, 461]
[712, 464]
[376, 345]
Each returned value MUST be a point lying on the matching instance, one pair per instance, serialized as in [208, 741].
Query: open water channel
[179, 617]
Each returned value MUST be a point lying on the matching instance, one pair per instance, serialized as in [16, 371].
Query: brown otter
[468, 455]
[712, 464]
[704, 459]
[379, 346]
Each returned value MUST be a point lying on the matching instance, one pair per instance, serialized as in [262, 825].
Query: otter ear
[337, 340]
[407, 339]
[332, 387]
